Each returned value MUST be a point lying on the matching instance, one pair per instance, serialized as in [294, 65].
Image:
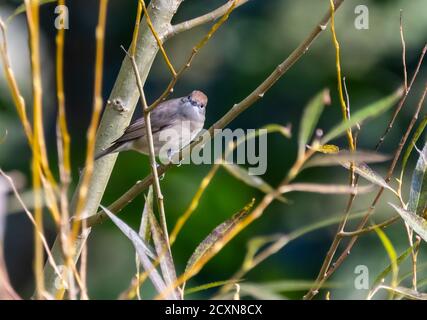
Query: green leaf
[388, 269]
[418, 224]
[284, 131]
[251, 180]
[208, 286]
[217, 236]
[291, 285]
[391, 252]
[255, 244]
[370, 111]
[418, 192]
[310, 118]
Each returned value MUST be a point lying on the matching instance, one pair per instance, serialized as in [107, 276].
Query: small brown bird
[174, 124]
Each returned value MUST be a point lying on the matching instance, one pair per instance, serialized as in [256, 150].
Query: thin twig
[152, 154]
[39, 233]
[63, 146]
[206, 18]
[339, 79]
[370, 228]
[97, 108]
[132, 49]
[48, 183]
[402, 38]
[17, 97]
[158, 40]
[32, 10]
[402, 100]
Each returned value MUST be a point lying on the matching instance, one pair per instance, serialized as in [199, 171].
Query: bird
[174, 124]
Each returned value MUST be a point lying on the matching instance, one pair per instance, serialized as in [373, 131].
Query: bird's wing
[162, 117]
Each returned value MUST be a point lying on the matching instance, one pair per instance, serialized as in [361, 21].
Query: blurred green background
[257, 37]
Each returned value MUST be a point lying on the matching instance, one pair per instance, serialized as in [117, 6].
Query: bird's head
[197, 101]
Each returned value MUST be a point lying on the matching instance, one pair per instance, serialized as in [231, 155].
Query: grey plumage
[172, 118]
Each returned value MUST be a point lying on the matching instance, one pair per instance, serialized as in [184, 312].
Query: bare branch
[152, 155]
[206, 18]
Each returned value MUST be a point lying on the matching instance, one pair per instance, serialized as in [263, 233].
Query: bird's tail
[116, 147]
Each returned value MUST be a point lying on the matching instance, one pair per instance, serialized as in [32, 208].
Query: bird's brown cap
[200, 97]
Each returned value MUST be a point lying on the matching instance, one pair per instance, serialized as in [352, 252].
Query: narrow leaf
[292, 285]
[131, 234]
[388, 269]
[370, 111]
[324, 188]
[251, 180]
[418, 192]
[208, 286]
[255, 244]
[363, 170]
[145, 234]
[391, 252]
[418, 224]
[217, 235]
[144, 227]
[410, 147]
[162, 249]
[259, 292]
[324, 160]
[284, 131]
[144, 252]
[21, 9]
[310, 118]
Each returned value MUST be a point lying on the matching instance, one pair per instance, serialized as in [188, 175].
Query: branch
[152, 154]
[206, 18]
[236, 110]
[117, 116]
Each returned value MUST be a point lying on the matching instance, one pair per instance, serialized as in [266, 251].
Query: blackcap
[174, 124]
